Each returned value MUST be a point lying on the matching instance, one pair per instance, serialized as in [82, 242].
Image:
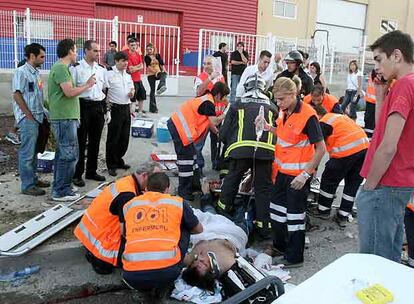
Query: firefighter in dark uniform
[244, 151]
[294, 62]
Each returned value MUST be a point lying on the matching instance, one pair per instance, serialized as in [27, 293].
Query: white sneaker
[67, 198]
[74, 188]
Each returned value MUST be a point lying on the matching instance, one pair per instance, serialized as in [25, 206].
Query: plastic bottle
[20, 274]
[260, 123]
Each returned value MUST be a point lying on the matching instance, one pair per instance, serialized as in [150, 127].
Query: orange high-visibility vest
[99, 230]
[203, 77]
[370, 93]
[410, 204]
[328, 101]
[152, 230]
[347, 137]
[293, 149]
[190, 125]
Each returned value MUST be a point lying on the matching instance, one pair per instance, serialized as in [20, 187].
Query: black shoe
[34, 191]
[42, 184]
[341, 220]
[96, 177]
[287, 264]
[112, 172]
[124, 167]
[323, 215]
[78, 182]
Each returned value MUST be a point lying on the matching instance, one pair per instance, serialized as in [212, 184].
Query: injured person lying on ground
[216, 262]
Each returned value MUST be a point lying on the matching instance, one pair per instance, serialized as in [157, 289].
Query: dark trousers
[158, 278]
[152, 82]
[262, 170]
[215, 151]
[188, 172]
[409, 232]
[90, 130]
[348, 99]
[369, 119]
[287, 214]
[336, 169]
[117, 140]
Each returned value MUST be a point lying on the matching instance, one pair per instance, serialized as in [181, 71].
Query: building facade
[346, 21]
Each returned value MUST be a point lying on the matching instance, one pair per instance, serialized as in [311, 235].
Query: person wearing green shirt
[64, 115]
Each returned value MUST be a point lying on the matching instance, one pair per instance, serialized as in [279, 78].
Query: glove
[300, 180]
[108, 117]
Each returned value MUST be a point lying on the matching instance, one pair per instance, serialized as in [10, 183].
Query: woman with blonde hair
[299, 149]
[155, 71]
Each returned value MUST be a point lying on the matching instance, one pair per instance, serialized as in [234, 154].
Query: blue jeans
[235, 79]
[66, 157]
[27, 152]
[381, 220]
[349, 99]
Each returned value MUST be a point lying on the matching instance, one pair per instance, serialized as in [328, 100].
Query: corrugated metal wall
[191, 15]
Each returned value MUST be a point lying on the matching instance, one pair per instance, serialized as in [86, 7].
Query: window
[388, 26]
[284, 9]
[39, 29]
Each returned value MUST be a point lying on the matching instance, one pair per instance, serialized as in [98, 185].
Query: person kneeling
[157, 228]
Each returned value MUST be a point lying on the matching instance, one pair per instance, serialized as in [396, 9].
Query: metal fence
[334, 64]
[18, 29]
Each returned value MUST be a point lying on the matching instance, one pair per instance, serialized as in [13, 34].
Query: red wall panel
[230, 15]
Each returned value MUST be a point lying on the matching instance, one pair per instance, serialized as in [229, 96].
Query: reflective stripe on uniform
[325, 194]
[296, 227]
[285, 144]
[277, 218]
[249, 143]
[343, 213]
[114, 192]
[370, 96]
[186, 162]
[152, 204]
[323, 208]
[270, 136]
[90, 219]
[186, 174]
[348, 198]
[240, 132]
[350, 145]
[291, 166]
[185, 126]
[332, 119]
[97, 244]
[221, 205]
[278, 208]
[295, 216]
[149, 256]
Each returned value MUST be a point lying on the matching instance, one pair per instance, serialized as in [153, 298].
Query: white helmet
[255, 87]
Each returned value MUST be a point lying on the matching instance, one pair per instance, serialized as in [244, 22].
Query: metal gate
[208, 41]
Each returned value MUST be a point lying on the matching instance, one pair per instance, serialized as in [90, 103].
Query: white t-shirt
[251, 70]
[216, 226]
[352, 81]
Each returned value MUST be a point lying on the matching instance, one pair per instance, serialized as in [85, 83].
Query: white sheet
[219, 227]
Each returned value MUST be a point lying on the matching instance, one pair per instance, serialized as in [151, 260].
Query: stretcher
[35, 231]
[244, 283]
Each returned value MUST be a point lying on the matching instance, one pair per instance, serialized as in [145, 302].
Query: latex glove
[266, 126]
[108, 117]
[299, 181]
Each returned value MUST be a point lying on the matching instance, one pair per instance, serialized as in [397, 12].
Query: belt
[117, 105]
[90, 100]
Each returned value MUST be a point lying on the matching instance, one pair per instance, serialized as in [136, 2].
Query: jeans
[235, 79]
[349, 99]
[152, 80]
[381, 220]
[200, 158]
[27, 152]
[66, 157]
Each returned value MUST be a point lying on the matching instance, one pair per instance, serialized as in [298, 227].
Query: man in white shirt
[262, 68]
[92, 103]
[120, 91]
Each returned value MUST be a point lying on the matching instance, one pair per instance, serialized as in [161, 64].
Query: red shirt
[400, 99]
[134, 59]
